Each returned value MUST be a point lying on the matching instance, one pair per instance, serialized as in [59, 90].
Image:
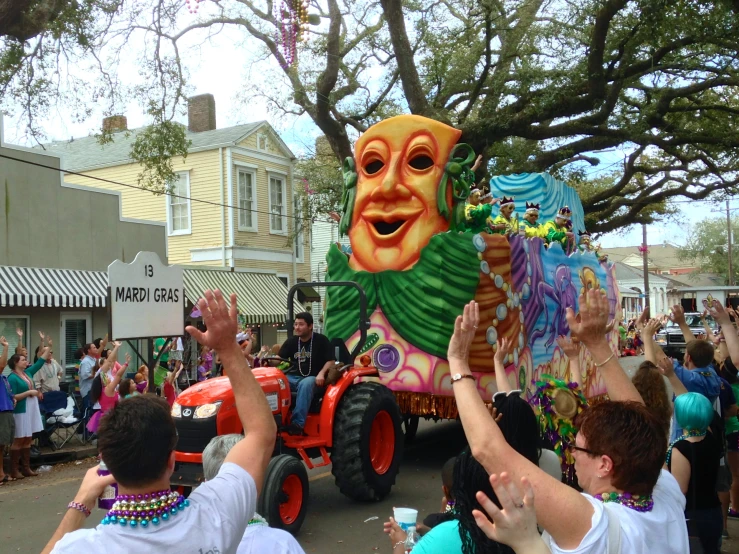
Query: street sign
[146, 298]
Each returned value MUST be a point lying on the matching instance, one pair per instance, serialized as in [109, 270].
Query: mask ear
[349, 196]
[458, 173]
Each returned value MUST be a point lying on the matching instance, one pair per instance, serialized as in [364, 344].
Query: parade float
[420, 257]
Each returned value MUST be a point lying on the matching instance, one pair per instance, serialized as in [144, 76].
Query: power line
[173, 195]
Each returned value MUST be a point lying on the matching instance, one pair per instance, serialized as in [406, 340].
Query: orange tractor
[356, 427]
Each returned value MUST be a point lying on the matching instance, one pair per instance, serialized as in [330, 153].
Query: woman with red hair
[629, 504]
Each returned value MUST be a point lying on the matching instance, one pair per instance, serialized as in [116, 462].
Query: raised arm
[254, 451]
[111, 358]
[652, 350]
[501, 378]
[723, 318]
[667, 368]
[571, 349]
[678, 316]
[589, 326]
[115, 381]
[554, 502]
[4, 356]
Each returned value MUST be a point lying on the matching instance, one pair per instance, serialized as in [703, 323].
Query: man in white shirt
[48, 377]
[136, 440]
[259, 536]
[87, 372]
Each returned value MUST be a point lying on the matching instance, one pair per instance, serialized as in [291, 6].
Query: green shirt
[158, 345]
[19, 385]
[732, 423]
[622, 331]
[442, 539]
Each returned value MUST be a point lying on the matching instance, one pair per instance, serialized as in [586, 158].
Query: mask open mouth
[384, 228]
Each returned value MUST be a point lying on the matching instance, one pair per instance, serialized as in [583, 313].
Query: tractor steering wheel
[276, 359]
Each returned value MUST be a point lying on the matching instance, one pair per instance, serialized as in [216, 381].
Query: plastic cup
[405, 517]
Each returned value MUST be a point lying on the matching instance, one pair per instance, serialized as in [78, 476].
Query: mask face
[400, 163]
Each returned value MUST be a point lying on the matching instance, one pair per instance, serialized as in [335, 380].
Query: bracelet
[606, 361]
[397, 544]
[79, 507]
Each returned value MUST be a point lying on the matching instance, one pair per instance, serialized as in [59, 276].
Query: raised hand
[504, 348]
[477, 163]
[642, 320]
[718, 313]
[464, 331]
[590, 324]
[3, 342]
[652, 326]
[219, 319]
[570, 348]
[678, 314]
[515, 524]
[19, 332]
[41, 334]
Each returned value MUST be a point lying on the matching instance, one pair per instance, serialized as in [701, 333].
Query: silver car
[671, 339]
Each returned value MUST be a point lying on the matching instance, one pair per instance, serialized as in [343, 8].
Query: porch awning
[52, 288]
[261, 297]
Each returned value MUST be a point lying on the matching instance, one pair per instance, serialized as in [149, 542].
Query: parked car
[671, 339]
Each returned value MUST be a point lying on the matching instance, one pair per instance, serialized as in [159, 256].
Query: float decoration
[419, 264]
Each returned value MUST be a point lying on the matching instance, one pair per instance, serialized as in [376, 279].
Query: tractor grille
[675, 339]
[195, 434]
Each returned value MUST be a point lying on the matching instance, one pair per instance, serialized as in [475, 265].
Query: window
[299, 237]
[8, 326]
[76, 332]
[178, 212]
[262, 141]
[277, 208]
[247, 200]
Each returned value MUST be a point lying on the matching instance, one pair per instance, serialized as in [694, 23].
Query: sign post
[146, 300]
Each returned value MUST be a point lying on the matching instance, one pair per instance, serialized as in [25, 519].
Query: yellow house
[233, 205]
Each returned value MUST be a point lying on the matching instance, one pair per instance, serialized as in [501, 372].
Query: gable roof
[660, 256]
[87, 153]
[629, 273]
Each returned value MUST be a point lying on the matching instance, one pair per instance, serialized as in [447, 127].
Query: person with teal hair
[693, 459]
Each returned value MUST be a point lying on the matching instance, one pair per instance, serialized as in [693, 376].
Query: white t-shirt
[260, 539]
[661, 531]
[215, 521]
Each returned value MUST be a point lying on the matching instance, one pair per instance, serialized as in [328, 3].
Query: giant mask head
[399, 164]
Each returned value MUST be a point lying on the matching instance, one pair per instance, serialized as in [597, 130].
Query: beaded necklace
[643, 503]
[685, 435]
[142, 509]
[258, 520]
[310, 360]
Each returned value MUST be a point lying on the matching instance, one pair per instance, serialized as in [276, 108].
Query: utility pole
[728, 234]
[645, 266]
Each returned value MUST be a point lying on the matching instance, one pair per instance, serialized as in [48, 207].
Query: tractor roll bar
[364, 323]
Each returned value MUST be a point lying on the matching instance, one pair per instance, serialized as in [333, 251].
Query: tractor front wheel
[368, 442]
[284, 499]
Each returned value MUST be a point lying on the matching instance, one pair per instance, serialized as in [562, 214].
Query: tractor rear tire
[368, 442]
[284, 499]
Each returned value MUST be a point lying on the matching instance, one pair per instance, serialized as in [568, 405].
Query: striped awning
[52, 288]
[261, 297]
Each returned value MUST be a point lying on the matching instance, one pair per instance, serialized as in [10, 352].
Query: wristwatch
[459, 376]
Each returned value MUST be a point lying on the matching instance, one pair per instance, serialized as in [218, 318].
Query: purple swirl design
[386, 358]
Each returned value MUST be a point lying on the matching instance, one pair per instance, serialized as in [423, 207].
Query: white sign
[147, 298]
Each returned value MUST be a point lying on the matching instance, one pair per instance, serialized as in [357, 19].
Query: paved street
[32, 508]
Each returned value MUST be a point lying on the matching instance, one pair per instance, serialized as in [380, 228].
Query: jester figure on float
[404, 213]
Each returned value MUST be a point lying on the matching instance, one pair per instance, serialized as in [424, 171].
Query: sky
[220, 76]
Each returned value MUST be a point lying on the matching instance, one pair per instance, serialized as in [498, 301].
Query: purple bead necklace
[643, 503]
[137, 510]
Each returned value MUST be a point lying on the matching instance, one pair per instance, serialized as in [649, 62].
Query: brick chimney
[115, 123]
[201, 113]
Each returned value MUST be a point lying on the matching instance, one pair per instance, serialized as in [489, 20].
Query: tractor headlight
[206, 410]
[176, 410]
[662, 339]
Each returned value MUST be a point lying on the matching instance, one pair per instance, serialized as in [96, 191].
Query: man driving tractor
[311, 355]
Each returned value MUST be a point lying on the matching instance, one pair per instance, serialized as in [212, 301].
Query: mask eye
[421, 162]
[373, 167]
